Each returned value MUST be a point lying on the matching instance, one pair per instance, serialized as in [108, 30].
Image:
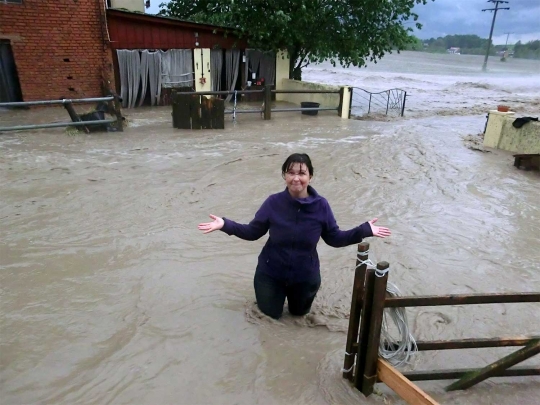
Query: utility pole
[507, 35]
[484, 68]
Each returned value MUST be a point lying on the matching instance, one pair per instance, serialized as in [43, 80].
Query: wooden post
[356, 307]
[74, 116]
[409, 392]
[340, 106]
[267, 102]
[363, 333]
[369, 378]
[117, 108]
[467, 381]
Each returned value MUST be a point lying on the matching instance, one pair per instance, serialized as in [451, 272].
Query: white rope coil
[396, 351]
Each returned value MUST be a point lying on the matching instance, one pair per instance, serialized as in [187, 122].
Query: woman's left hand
[379, 231]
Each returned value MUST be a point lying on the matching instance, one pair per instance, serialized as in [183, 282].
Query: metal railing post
[267, 102]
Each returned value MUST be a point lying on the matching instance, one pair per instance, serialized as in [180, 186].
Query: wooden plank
[206, 112]
[218, 113]
[492, 369]
[461, 299]
[474, 343]
[356, 308]
[195, 112]
[369, 377]
[181, 111]
[470, 343]
[429, 375]
[409, 392]
[364, 329]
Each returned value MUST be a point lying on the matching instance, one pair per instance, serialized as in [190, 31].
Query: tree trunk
[295, 71]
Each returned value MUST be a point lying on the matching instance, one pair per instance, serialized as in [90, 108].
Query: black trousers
[271, 294]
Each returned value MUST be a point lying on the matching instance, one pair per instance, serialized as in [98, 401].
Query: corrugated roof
[161, 18]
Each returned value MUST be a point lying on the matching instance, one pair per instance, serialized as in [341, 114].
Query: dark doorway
[10, 88]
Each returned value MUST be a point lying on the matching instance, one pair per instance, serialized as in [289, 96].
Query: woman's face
[297, 179]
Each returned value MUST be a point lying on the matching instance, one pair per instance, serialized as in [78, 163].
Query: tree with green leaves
[350, 32]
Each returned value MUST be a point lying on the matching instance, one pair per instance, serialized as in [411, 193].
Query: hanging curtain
[134, 77]
[177, 68]
[216, 65]
[122, 55]
[129, 63]
[254, 59]
[232, 62]
[144, 75]
[154, 76]
[268, 68]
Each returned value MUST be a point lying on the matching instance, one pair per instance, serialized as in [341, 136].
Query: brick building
[52, 49]
[59, 48]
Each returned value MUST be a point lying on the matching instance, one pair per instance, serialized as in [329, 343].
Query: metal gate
[389, 102]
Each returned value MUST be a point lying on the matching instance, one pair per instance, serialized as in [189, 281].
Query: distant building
[454, 50]
[130, 5]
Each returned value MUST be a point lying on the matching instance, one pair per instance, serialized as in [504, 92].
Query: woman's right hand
[215, 225]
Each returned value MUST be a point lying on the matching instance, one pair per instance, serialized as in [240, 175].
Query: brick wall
[60, 47]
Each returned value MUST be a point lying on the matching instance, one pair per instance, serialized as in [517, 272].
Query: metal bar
[221, 92]
[512, 359]
[459, 373]
[243, 111]
[48, 102]
[369, 105]
[356, 308]
[369, 378]
[302, 109]
[267, 103]
[55, 125]
[306, 91]
[461, 299]
[403, 105]
[387, 102]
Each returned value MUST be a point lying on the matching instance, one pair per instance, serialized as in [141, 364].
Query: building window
[11, 1]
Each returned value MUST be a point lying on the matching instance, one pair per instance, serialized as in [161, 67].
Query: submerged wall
[501, 134]
[325, 100]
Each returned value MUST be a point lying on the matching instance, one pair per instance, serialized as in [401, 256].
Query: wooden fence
[363, 366]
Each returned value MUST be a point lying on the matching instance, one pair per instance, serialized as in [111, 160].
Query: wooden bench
[527, 161]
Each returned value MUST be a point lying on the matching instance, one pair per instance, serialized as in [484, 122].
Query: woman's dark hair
[297, 158]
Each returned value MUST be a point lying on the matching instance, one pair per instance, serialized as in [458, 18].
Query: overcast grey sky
[447, 17]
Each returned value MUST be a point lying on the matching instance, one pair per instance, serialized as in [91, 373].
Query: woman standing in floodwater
[297, 217]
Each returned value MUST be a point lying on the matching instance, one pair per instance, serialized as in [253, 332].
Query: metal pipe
[302, 109]
[219, 93]
[55, 125]
[403, 106]
[244, 111]
[306, 91]
[63, 101]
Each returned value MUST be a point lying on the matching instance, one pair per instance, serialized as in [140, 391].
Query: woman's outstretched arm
[252, 231]
[335, 237]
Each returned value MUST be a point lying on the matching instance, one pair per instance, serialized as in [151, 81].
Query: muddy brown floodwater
[110, 295]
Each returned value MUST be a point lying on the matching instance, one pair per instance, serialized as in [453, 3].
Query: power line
[497, 8]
